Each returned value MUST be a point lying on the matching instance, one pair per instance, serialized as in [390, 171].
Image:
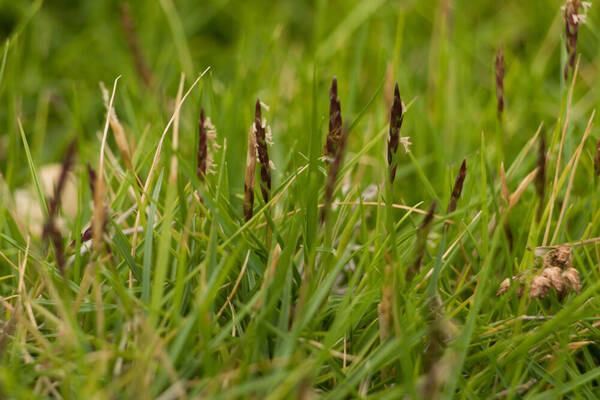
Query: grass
[339, 283]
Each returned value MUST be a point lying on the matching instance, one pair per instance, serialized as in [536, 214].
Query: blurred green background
[440, 52]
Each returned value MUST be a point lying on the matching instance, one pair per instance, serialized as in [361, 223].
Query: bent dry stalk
[334, 135]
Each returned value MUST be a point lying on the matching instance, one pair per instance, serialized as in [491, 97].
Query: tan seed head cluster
[558, 274]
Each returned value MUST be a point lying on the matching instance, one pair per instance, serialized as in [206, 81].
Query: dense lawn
[434, 242]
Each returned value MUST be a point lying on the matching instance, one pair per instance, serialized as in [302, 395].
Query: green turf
[201, 303]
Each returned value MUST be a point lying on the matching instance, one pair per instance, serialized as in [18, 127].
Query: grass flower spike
[334, 135]
[394, 139]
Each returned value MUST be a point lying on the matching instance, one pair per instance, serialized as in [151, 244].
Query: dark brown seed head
[250, 172]
[572, 21]
[263, 153]
[540, 179]
[458, 186]
[597, 159]
[335, 123]
[202, 146]
[396, 118]
[500, 80]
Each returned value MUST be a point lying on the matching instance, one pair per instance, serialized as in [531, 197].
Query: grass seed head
[540, 179]
[573, 18]
[499, 67]
[250, 172]
[396, 118]
[571, 279]
[458, 186]
[560, 256]
[540, 286]
[554, 275]
[202, 146]
[503, 288]
[334, 135]
[263, 152]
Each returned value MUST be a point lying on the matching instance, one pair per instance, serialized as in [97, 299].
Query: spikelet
[540, 286]
[396, 118]
[263, 153]
[250, 172]
[560, 256]
[499, 68]
[573, 18]
[554, 275]
[334, 135]
[540, 179]
[571, 279]
[458, 186]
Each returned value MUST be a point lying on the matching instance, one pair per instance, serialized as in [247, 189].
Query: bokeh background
[440, 52]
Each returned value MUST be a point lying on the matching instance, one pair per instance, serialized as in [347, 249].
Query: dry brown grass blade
[513, 199]
[235, 286]
[98, 217]
[117, 128]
